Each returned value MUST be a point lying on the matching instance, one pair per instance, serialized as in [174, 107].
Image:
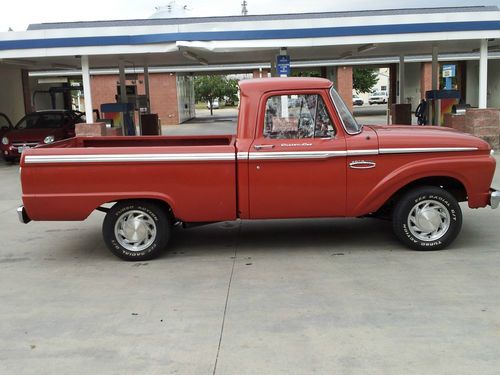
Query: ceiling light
[191, 56]
[18, 62]
[346, 55]
[366, 48]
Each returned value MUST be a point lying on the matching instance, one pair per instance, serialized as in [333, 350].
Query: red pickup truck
[298, 153]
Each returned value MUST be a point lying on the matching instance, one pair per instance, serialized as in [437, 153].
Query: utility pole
[244, 10]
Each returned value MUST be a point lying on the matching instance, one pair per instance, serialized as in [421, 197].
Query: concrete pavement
[327, 296]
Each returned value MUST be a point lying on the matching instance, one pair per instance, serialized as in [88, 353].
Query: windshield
[350, 124]
[41, 121]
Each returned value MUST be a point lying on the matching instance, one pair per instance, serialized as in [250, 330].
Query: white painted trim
[362, 152]
[249, 67]
[291, 155]
[87, 89]
[483, 74]
[120, 158]
[295, 155]
[425, 149]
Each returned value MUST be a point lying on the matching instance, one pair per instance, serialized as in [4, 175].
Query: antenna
[244, 10]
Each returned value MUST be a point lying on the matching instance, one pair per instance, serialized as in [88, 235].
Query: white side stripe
[296, 155]
[425, 149]
[118, 158]
[291, 155]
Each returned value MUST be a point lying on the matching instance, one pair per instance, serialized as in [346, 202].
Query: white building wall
[185, 97]
[11, 94]
[412, 84]
[472, 88]
[494, 84]
[472, 96]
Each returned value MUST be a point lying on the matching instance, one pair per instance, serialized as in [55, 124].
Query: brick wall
[162, 88]
[103, 90]
[483, 123]
[343, 84]
[163, 92]
[425, 78]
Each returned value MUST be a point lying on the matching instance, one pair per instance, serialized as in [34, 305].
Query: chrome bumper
[495, 199]
[22, 215]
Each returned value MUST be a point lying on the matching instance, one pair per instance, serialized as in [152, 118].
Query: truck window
[297, 116]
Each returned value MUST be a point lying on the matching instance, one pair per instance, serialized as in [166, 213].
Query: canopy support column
[483, 74]
[89, 115]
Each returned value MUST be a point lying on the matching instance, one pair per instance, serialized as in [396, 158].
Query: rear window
[42, 121]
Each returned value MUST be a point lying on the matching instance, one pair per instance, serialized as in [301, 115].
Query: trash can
[401, 114]
[150, 124]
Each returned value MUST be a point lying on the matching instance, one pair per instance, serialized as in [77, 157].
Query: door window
[296, 117]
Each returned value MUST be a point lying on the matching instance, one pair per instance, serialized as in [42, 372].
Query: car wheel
[136, 230]
[427, 218]
[9, 159]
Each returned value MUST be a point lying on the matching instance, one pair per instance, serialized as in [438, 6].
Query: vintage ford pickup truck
[298, 153]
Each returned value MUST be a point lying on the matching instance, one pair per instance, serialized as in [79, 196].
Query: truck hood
[406, 136]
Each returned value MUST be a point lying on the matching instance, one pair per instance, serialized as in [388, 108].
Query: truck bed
[194, 175]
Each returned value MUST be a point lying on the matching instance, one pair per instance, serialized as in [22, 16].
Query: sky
[19, 14]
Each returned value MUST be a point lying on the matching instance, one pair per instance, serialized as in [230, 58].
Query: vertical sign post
[283, 65]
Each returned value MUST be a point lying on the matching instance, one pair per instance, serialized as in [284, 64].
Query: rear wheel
[427, 218]
[136, 230]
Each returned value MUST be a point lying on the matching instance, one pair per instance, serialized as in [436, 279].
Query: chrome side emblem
[362, 164]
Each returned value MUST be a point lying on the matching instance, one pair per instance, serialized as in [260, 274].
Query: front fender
[474, 172]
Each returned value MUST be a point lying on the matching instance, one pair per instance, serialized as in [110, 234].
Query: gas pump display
[122, 116]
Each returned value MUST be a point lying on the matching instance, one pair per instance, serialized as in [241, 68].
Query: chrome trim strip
[425, 149]
[242, 155]
[362, 152]
[495, 199]
[118, 158]
[296, 155]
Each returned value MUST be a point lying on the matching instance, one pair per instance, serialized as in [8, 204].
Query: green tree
[363, 79]
[208, 88]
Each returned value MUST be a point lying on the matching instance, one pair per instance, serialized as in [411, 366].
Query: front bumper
[494, 198]
[23, 215]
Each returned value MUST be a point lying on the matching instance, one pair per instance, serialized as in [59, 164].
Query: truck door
[297, 160]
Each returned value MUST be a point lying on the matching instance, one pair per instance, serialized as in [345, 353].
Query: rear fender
[76, 207]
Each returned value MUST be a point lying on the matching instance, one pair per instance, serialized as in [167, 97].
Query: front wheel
[136, 230]
[427, 218]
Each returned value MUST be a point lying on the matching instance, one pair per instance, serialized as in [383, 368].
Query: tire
[427, 218]
[146, 239]
[9, 159]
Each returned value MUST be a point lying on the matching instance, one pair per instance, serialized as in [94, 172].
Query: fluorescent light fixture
[346, 55]
[366, 48]
[62, 66]
[18, 62]
[191, 56]
[53, 80]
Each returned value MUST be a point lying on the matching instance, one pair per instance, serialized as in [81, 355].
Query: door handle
[260, 147]
[362, 164]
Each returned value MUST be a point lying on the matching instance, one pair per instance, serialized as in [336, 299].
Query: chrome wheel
[429, 220]
[135, 230]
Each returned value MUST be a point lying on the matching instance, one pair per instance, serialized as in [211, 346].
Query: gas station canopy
[334, 36]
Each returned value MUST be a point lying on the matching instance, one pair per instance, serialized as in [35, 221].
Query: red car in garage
[41, 127]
